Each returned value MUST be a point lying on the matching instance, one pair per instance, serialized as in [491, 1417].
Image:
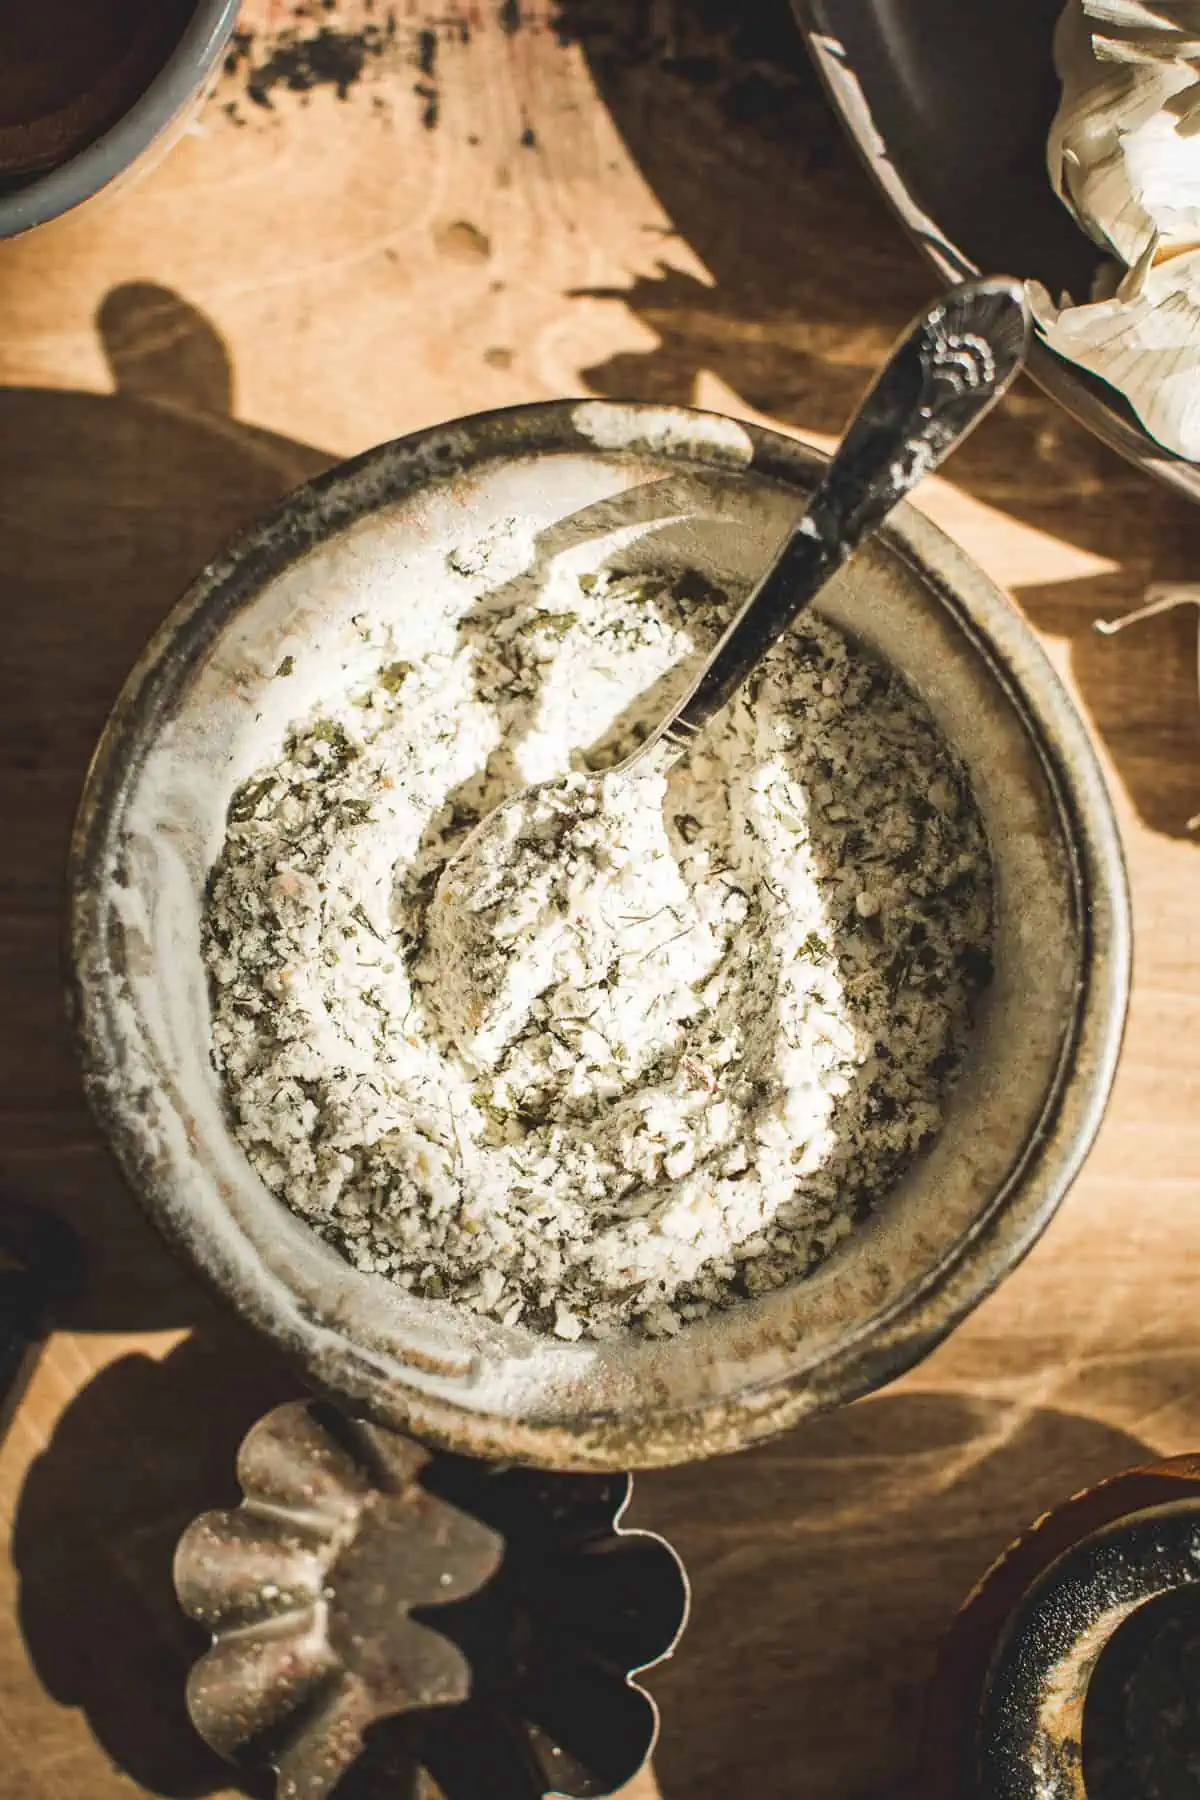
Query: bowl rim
[177, 84]
[967, 1272]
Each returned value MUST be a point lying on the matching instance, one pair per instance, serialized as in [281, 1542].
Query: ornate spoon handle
[949, 369]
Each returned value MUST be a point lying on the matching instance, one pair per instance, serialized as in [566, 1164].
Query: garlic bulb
[1124, 157]
[1124, 153]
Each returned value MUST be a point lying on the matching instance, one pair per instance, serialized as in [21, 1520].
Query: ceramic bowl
[145, 129]
[672, 490]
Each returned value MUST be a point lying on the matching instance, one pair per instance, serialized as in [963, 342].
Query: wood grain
[591, 210]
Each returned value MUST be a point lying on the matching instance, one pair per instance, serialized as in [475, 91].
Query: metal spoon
[947, 371]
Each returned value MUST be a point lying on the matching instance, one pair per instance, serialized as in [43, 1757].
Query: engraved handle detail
[947, 371]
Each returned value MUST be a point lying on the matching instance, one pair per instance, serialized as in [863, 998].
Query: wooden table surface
[621, 198]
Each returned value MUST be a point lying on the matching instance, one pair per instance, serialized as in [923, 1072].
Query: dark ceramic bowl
[147, 127]
[949, 107]
[673, 490]
[1070, 1670]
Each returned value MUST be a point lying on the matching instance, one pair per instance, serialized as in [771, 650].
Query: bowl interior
[604, 487]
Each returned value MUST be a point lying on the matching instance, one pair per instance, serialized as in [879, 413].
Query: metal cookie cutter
[378, 1609]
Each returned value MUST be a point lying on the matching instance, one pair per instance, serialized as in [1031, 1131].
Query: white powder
[678, 1044]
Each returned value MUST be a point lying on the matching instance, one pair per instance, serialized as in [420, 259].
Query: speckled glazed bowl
[661, 488]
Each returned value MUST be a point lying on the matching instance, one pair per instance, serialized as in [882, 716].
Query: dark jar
[1073, 1670]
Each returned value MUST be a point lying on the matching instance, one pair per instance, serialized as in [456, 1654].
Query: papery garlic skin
[1121, 154]
[1145, 342]
[1124, 156]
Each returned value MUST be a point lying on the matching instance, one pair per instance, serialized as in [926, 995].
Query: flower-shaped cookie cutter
[377, 1608]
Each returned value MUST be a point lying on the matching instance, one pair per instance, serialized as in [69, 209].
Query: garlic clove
[1146, 342]
[1119, 153]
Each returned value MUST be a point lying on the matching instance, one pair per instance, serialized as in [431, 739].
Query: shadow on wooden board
[109, 505]
[824, 1566]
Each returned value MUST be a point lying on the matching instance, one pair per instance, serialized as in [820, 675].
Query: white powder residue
[685, 1038]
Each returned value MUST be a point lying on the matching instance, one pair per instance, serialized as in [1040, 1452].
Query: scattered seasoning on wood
[322, 47]
[298, 60]
[749, 60]
[343, 46]
[683, 1103]
[430, 110]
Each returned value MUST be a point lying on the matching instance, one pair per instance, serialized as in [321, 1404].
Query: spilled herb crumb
[310, 54]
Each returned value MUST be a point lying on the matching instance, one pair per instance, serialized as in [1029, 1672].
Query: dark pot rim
[178, 83]
[1031, 1726]
[1006, 1227]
